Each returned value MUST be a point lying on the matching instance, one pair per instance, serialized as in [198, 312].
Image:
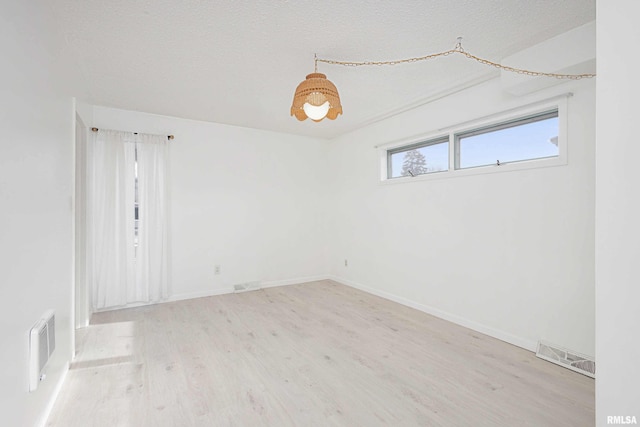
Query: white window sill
[480, 170]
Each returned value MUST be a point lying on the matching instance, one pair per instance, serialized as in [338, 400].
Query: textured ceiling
[238, 62]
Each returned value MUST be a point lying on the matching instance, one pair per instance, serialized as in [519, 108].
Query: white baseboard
[54, 396]
[297, 281]
[230, 290]
[483, 329]
[218, 291]
[172, 298]
[199, 294]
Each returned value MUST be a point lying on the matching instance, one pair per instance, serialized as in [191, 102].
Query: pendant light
[316, 98]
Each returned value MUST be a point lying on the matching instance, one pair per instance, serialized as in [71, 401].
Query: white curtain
[152, 253]
[119, 272]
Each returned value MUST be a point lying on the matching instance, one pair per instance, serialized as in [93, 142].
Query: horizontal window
[418, 159]
[536, 139]
[528, 138]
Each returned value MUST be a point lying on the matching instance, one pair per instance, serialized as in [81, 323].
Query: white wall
[251, 201]
[85, 112]
[36, 187]
[617, 212]
[82, 295]
[510, 254]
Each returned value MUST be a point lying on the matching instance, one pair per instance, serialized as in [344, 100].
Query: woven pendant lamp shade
[315, 91]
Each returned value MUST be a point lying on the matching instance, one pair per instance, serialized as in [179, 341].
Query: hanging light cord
[458, 49]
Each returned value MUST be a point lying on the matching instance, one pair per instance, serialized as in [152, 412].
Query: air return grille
[567, 358]
[244, 287]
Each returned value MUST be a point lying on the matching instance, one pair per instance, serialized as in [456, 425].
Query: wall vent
[244, 287]
[567, 358]
[42, 342]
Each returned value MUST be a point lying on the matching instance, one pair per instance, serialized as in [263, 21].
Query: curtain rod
[135, 133]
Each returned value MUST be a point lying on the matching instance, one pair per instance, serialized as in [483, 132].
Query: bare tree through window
[415, 163]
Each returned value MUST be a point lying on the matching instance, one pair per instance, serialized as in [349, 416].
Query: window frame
[421, 144]
[522, 121]
[558, 103]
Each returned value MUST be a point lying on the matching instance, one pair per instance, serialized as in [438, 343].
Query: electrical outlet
[216, 269]
[346, 263]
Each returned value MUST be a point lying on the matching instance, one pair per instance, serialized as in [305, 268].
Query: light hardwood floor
[315, 354]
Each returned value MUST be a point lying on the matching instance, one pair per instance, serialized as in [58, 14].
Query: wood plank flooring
[315, 354]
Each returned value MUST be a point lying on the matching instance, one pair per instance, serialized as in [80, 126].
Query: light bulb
[316, 112]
